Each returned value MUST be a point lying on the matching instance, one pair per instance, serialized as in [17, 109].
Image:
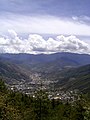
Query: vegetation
[68, 71]
[10, 77]
[18, 106]
[74, 78]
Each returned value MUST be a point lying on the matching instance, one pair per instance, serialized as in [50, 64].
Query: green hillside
[75, 78]
[12, 72]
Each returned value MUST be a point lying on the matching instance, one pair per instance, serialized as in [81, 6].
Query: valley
[55, 72]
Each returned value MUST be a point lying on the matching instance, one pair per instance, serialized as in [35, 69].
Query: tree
[2, 86]
[42, 105]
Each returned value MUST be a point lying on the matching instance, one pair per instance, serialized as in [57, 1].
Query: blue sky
[66, 8]
[56, 14]
[44, 17]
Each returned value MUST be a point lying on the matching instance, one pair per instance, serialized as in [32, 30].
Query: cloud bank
[36, 44]
[43, 24]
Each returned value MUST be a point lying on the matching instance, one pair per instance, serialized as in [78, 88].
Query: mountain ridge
[65, 68]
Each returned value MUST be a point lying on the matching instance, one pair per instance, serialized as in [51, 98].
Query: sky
[45, 26]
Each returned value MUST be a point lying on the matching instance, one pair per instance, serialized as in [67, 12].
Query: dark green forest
[18, 106]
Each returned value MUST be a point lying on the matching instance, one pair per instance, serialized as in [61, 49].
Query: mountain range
[70, 70]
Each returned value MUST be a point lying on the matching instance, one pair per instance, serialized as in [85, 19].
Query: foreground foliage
[17, 106]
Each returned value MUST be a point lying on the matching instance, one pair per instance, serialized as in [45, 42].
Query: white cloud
[44, 24]
[82, 19]
[37, 44]
[12, 33]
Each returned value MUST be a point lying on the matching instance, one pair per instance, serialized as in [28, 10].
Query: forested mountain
[30, 59]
